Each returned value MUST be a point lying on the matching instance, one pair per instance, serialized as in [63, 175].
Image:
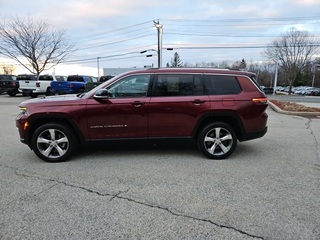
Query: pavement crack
[191, 217]
[118, 196]
[308, 126]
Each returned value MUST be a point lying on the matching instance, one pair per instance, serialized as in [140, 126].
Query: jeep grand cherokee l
[216, 108]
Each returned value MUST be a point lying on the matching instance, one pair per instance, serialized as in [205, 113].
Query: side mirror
[101, 94]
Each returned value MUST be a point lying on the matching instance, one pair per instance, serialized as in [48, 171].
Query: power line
[111, 31]
[237, 20]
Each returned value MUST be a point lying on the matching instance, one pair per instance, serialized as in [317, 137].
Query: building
[117, 71]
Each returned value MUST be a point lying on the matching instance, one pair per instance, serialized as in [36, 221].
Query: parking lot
[268, 189]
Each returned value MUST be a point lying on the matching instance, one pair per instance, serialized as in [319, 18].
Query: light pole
[159, 28]
[98, 67]
[275, 78]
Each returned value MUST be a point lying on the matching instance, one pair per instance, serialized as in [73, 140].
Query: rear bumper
[253, 135]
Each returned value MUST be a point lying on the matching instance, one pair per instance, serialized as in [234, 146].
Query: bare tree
[292, 51]
[34, 41]
[7, 69]
[240, 64]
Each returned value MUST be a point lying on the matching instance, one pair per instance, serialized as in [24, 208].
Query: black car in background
[9, 84]
[268, 90]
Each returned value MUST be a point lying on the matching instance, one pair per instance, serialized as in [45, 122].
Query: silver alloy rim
[52, 143]
[218, 141]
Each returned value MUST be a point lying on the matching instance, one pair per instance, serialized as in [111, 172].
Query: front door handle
[198, 101]
[137, 103]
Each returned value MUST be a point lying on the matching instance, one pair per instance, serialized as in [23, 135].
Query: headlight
[23, 110]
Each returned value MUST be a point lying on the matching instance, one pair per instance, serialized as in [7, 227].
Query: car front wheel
[217, 140]
[53, 142]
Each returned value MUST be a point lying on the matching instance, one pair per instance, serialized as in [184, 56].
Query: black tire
[81, 90]
[217, 140]
[11, 93]
[53, 142]
[48, 92]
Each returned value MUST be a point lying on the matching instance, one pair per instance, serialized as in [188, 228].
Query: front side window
[131, 86]
[221, 85]
[177, 85]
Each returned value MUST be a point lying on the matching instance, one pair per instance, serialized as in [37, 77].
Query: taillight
[260, 100]
[37, 84]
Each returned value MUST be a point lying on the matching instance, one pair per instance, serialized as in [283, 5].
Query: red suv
[214, 107]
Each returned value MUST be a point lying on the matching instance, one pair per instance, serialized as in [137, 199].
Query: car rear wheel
[217, 140]
[53, 142]
[11, 93]
[48, 92]
[34, 95]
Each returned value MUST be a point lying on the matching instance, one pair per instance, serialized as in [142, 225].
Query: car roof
[193, 70]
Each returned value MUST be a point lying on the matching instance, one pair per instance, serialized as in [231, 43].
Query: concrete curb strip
[302, 114]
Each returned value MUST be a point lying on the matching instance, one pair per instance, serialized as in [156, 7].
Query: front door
[124, 114]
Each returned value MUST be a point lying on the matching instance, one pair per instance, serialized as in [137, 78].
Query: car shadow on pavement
[130, 148]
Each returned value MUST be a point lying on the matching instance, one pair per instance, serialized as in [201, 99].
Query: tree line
[265, 70]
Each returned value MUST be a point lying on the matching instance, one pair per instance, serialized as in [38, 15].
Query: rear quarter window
[221, 85]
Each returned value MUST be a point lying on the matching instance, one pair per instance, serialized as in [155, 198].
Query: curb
[302, 114]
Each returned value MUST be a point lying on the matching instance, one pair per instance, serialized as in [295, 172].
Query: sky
[113, 33]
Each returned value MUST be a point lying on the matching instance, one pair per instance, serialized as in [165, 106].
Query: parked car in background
[268, 90]
[9, 84]
[40, 85]
[211, 107]
[25, 80]
[105, 78]
[74, 84]
[315, 92]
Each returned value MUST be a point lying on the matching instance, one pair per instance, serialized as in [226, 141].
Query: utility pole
[159, 28]
[98, 67]
[275, 79]
[314, 69]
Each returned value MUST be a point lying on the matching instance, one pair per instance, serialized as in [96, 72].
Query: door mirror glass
[101, 94]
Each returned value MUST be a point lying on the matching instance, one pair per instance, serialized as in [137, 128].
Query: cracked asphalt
[268, 189]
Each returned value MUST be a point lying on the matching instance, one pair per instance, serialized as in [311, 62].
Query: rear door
[177, 102]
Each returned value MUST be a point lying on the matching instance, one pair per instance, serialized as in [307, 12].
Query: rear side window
[45, 78]
[221, 85]
[8, 77]
[26, 77]
[61, 78]
[87, 79]
[177, 85]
